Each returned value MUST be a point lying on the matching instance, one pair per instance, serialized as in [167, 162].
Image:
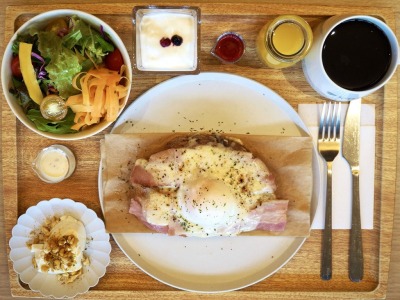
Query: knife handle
[356, 260]
[326, 259]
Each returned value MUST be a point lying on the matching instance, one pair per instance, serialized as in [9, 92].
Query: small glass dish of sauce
[229, 48]
[54, 164]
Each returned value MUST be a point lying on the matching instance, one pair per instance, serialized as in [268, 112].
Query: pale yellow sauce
[288, 38]
[53, 165]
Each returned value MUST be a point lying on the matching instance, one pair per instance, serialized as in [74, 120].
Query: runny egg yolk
[209, 203]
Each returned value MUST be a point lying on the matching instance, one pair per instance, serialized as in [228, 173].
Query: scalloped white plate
[97, 248]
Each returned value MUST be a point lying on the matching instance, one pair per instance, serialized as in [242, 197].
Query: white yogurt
[157, 25]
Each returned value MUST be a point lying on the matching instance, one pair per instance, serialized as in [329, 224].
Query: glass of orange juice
[284, 41]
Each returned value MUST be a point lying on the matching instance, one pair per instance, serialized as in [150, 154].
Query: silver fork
[328, 147]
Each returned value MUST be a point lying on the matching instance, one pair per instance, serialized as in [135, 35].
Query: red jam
[229, 47]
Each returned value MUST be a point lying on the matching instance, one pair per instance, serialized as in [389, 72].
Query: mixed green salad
[64, 48]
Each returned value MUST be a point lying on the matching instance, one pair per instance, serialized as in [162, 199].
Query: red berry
[165, 42]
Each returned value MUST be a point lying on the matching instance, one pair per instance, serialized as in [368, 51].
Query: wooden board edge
[9, 182]
[389, 179]
[251, 8]
[235, 295]
[10, 191]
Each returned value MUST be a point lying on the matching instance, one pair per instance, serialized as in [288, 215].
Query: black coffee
[356, 55]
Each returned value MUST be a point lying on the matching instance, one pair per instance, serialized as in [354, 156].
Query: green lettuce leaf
[64, 63]
[23, 38]
[22, 95]
[87, 41]
[62, 70]
[59, 127]
[49, 44]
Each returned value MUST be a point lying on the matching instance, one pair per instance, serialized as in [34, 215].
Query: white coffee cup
[316, 74]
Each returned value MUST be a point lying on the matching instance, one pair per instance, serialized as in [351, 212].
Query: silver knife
[351, 152]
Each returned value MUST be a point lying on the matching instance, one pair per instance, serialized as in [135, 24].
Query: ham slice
[141, 176]
[137, 210]
[270, 215]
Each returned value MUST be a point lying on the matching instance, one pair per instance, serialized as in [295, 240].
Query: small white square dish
[166, 39]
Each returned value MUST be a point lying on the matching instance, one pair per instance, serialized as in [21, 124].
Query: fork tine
[338, 115]
[335, 121]
[330, 116]
[322, 122]
[330, 121]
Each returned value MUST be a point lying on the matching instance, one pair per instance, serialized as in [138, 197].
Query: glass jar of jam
[229, 47]
[284, 41]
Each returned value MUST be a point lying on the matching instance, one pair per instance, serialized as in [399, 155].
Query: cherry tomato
[15, 67]
[114, 60]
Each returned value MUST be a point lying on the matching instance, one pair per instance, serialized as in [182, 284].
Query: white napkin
[341, 174]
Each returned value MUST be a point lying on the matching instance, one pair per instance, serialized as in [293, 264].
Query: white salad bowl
[42, 20]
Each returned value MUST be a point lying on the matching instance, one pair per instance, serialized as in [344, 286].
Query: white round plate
[215, 102]
[97, 248]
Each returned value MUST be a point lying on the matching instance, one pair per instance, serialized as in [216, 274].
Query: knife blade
[351, 152]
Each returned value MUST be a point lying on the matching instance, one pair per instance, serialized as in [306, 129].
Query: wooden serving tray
[299, 278]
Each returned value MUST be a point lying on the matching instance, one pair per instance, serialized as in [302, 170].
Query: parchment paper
[288, 158]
